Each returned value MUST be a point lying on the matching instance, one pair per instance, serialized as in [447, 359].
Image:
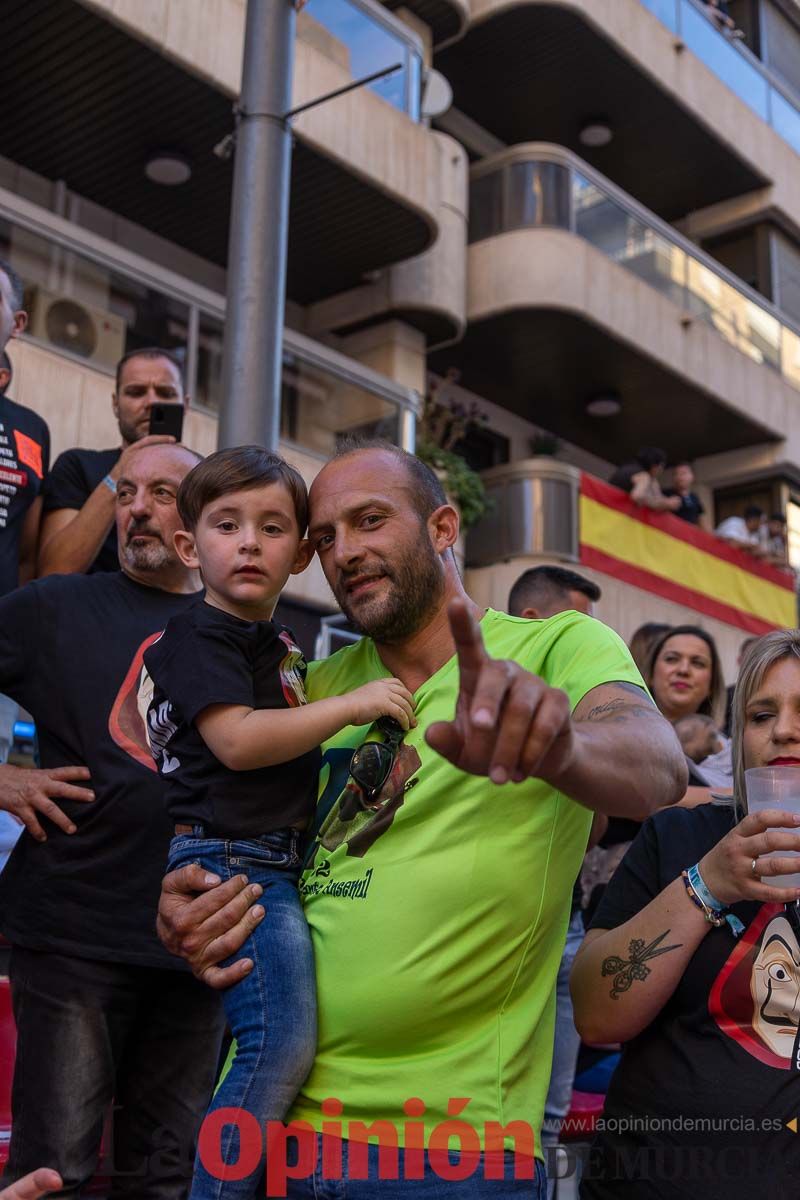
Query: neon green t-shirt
[438, 923]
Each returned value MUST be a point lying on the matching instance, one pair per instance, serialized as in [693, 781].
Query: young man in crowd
[541, 592]
[744, 532]
[438, 901]
[101, 1009]
[78, 532]
[691, 509]
[641, 480]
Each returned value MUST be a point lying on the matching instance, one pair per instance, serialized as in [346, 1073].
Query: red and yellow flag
[662, 554]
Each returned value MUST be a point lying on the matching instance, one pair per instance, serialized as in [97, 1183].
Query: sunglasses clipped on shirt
[372, 762]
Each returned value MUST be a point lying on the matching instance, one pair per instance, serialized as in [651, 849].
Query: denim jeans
[272, 1012]
[88, 1031]
[565, 1047]
[391, 1185]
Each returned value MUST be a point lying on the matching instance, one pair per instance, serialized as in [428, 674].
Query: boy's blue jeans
[272, 1011]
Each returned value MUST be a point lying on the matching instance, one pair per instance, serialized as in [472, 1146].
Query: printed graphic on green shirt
[349, 822]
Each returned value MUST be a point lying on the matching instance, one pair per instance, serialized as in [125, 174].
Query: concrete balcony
[107, 82]
[575, 291]
[446, 19]
[649, 566]
[672, 97]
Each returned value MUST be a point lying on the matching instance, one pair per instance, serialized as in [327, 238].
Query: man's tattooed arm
[634, 702]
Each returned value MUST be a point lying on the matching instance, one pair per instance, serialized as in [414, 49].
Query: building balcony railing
[541, 185]
[91, 301]
[735, 65]
[366, 38]
[549, 510]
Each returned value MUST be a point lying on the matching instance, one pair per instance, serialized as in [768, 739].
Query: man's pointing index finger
[470, 649]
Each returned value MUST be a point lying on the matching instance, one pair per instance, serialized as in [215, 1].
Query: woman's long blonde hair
[762, 654]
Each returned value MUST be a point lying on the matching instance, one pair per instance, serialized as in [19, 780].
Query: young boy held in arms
[234, 737]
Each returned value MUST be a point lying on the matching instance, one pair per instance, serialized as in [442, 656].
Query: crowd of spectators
[764, 537]
[556, 754]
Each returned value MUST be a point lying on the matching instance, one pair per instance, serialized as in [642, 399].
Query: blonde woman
[693, 962]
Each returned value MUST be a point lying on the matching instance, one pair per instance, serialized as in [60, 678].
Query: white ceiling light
[596, 133]
[606, 405]
[168, 169]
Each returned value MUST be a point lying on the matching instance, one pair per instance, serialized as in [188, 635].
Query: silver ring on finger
[754, 868]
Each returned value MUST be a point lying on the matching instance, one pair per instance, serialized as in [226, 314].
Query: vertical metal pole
[256, 284]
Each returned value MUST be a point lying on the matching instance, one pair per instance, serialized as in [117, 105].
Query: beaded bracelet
[709, 914]
[718, 917]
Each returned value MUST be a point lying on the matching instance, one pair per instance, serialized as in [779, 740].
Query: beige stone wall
[550, 268]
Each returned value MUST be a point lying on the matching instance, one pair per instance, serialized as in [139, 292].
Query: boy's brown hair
[239, 470]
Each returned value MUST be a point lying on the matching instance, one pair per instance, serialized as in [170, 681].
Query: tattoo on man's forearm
[626, 970]
[619, 709]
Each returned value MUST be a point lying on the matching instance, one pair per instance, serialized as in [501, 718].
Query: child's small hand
[382, 698]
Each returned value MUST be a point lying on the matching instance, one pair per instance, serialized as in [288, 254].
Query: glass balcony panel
[537, 195]
[786, 119]
[665, 10]
[88, 310]
[628, 240]
[319, 411]
[790, 356]
[486, 206]
[736, 318]
[208, 385]
[363, 45]
[742, 73]
[741, 76]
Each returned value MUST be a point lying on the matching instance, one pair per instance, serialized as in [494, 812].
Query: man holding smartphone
[78, 533]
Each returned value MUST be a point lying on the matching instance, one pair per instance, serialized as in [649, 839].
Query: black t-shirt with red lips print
[205, 657]
[71, 651]
[701, 1102]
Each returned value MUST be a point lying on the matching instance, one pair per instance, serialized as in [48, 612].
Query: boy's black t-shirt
[206, 656]
[699, 1103]
[75, 475]
[71, 652]
[24, 461]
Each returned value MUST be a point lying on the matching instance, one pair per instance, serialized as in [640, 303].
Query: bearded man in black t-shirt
[102, 1009]
[78, 531]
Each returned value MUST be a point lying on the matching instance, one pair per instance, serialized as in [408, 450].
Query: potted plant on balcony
[443, 424]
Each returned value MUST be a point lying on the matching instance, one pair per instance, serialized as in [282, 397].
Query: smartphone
[167, 419]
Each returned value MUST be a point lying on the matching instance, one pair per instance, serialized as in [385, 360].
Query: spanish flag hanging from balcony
[659, 553]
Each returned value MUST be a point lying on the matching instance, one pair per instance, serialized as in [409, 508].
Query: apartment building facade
[600, 238]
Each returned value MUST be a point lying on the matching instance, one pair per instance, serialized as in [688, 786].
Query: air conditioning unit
[87, 332]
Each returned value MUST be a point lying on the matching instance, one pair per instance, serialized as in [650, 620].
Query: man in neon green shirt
[438, 908]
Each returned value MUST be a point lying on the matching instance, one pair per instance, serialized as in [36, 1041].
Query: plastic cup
[776, 787]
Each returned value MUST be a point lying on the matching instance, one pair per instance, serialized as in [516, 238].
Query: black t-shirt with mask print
[207, 656]
[75, 475]
[699, 1103]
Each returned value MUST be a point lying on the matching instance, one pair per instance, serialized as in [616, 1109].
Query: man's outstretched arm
[626, 759]
[616, 754]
